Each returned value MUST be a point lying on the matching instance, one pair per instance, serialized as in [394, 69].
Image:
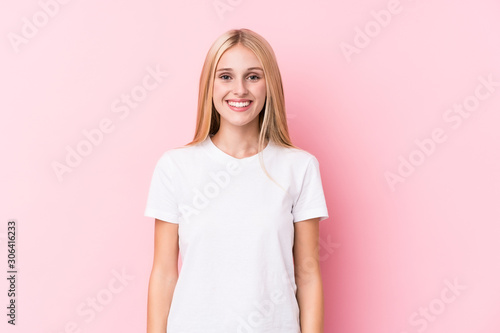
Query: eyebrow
[230, 69]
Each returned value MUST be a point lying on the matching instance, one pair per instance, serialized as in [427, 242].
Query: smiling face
[239, 90]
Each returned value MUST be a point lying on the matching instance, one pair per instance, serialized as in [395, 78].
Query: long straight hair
[272, 119]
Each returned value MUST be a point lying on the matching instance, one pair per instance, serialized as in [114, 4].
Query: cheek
[218, 90]
[262, 91]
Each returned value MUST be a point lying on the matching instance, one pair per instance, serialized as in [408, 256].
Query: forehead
[238, 56]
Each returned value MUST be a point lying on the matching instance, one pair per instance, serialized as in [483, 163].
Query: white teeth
[239, 104]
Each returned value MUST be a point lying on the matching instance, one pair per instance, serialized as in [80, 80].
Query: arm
[163, 277]
[308, 275]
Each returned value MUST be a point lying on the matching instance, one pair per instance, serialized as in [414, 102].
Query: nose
[240, 87]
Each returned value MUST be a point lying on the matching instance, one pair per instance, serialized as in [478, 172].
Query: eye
[255, 76]
[223, 75]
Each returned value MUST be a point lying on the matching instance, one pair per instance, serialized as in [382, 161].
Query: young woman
[241, 204]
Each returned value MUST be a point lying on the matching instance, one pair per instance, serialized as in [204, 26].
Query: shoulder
[295, 156]
[177, 156]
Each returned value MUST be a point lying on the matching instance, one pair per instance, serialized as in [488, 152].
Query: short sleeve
[161, 203]
[310, 202]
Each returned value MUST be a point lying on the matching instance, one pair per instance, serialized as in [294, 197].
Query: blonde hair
[272, 119]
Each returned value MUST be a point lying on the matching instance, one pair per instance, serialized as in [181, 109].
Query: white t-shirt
[236, 233]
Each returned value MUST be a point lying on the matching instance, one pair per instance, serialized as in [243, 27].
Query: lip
[239, 100]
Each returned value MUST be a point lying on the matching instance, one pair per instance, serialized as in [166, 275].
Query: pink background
[389, 254]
